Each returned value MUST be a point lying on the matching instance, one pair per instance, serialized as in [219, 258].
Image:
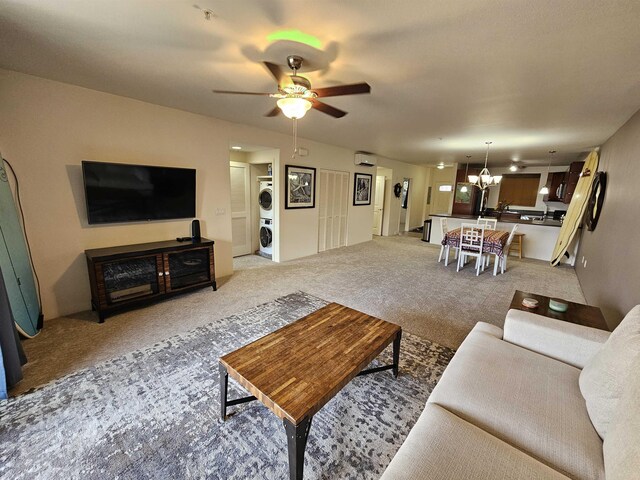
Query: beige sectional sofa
[538, 399]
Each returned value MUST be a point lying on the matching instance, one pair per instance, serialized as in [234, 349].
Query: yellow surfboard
[575, 212]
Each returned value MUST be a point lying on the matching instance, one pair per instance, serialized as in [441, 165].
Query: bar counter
[539, 239]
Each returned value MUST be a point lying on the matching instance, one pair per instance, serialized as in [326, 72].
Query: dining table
[494, 240]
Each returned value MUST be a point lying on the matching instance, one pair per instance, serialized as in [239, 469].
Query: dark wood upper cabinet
[556, 186]
[571, 180]
[465, 204]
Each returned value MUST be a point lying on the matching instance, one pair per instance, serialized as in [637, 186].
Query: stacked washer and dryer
[265, 200]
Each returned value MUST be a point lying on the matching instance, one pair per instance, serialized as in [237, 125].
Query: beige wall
[611, 278]
[47, 128]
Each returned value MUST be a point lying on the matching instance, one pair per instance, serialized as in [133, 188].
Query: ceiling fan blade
[240, 93]
[352, 89]
[328, 109]
[273, 113]
[277, 73]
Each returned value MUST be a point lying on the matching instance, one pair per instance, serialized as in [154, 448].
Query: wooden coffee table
[297, 369]
[576, 313]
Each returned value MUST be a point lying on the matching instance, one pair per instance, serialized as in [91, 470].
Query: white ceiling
[446, 76]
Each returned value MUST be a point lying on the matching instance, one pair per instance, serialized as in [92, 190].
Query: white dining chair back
[502, 261]
[489, 223]
[444, 249]
[443, 226]
[471, 245]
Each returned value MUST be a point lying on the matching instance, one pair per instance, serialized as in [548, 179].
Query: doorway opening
[405, 206]
[378, 204]
[254, 200]
[383, 203]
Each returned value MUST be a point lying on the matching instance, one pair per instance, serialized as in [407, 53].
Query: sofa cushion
[527, 400]
[622, 445]
[601, 380]
[443, 446]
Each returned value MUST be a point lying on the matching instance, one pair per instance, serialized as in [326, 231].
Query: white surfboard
[575, 212]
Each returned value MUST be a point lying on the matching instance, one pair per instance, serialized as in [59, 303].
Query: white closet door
[240, 208]
[333, 201]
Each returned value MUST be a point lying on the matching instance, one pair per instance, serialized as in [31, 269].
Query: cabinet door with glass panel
[130, 278]
[187, 268]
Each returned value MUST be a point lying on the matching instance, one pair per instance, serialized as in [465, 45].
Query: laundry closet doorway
[254, 217]
[333, 202]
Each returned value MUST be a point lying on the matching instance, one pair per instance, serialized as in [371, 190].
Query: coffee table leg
[396, 353]
[297, 441]
[224, 382]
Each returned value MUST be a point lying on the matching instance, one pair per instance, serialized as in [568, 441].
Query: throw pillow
[602, 379]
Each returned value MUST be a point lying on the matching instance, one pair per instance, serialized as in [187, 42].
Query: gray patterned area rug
[154, 413]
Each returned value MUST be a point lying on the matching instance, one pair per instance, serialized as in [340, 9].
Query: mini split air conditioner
[365, 159]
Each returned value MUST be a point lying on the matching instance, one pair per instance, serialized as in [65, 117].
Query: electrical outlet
[220, 211]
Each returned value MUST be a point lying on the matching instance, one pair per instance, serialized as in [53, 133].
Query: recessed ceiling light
[236, 147]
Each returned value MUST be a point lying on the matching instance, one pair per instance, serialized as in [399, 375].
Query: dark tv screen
[116, 192]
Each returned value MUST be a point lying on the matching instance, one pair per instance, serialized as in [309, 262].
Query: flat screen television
[117, 192]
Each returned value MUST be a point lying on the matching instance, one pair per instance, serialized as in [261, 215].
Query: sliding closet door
[333, 200]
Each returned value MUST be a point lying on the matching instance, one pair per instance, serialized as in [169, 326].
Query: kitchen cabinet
[571, 180]
[556, 186]
[561, 185]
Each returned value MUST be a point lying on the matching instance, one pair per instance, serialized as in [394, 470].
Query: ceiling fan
[295, 95]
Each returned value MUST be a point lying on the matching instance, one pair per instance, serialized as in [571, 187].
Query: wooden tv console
[130, 276]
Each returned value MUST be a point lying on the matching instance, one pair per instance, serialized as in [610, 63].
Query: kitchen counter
[547, 222]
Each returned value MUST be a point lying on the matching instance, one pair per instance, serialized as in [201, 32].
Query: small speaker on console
[195, 229]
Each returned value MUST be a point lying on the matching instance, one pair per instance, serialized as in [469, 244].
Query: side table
[576, 313]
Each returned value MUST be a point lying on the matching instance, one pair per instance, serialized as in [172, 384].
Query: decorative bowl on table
[530, 302]
[558, 305]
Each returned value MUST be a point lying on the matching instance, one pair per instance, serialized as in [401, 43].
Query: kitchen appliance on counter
[558, 214]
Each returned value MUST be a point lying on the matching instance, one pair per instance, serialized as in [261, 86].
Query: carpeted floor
[394, 278]
[154, 413]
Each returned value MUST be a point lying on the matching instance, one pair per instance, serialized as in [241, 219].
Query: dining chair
[502, 260]
[489, 223]
[444, 249]
[471, 245]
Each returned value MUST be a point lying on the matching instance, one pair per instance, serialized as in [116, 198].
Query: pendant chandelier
[485, 179]
[464, 188]
[545, 190]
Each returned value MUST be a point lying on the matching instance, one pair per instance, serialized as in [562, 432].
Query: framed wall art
[362, 189]
[300, 187]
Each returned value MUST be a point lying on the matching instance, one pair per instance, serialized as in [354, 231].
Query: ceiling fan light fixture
[294, 107]
[295, 36]
[513, 168]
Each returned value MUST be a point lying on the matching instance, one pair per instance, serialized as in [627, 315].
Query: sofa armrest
[568, 342]
[483, 327]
